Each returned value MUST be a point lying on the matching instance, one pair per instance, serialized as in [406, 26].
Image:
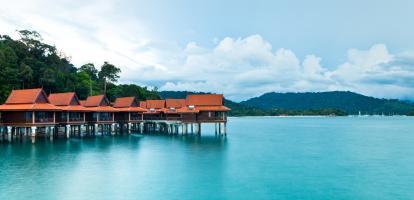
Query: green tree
[83, 83]
[28, 62]
[25, 74]
[90, 69]
[109, 73]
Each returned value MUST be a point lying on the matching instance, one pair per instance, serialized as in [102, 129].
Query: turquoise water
[261, 158]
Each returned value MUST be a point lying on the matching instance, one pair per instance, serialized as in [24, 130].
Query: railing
[44, 120]
[105, 118]
[212, 116]
[136, 118]
[173, 118]
[78, 119]
[154, 117]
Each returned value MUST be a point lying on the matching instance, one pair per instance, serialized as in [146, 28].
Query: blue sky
[239, 48]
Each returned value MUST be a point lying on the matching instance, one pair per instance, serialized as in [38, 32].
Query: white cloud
[238, 67]
[246, 67]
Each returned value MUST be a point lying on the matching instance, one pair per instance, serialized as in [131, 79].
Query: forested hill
[350, 102]
[28, 62]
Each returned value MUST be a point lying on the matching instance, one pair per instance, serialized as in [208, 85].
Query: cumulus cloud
[240, 68]
[246, 67]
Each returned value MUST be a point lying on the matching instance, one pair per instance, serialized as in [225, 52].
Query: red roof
[73, 108]
[101, 109]
[143, 104]
[82, 102]
[26, 96]
[132, 109]
[205, 100]
[94, 101]
[156, 104]
[175, 103]
[27, 100]
[123, 102]
[29, 107]
[212, 108]
[63, 99]
[181, 110]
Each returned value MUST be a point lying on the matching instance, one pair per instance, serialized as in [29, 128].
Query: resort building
[28, 107]
[32, 112]
[155, 110]
[100, 110]
[130, 115]
[210, 107]
[25, 111]
[71, 111]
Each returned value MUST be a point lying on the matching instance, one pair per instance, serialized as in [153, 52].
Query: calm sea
[261, 158]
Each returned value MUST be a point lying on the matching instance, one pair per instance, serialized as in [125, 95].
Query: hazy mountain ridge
[350, 102]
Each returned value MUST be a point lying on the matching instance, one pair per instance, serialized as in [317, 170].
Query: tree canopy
[28, 62]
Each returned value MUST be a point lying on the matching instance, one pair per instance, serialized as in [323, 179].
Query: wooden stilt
[33, 135]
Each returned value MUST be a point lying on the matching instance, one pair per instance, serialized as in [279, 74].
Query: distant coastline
[334, 103]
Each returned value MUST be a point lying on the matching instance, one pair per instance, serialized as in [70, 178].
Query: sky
[239, 48]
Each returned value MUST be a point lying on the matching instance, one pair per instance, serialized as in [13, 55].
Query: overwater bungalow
[27, 108]
[129, 110]
[210, 107]
[100, 110]
[72, 112]
[130, 115]
[155, 110]
[32, 111]
[26, 111]
[176, 109]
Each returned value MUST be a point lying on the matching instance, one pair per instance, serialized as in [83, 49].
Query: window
[28, 116]
[44, 116]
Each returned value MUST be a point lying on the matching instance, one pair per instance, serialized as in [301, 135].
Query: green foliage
[108, 74]
[90, 69]
[30, 63]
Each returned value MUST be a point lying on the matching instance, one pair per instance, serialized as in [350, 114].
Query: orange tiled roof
[212, 108]
[82, 102]
[62, 99]
[73, 108]
[132, 109]
[29, 107]
[143, 104]
[101, 109]
[123, 102]
[175, 103]
[148, 111]
[25, 96]
[157, 104]
[181, 110]
[94, 101]
[205, 100]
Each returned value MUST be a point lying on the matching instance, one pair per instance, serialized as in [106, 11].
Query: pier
[31, 114]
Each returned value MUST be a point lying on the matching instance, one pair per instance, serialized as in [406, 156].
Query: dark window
[28, 116]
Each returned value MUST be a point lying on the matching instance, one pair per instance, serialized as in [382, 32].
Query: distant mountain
[350, 102]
